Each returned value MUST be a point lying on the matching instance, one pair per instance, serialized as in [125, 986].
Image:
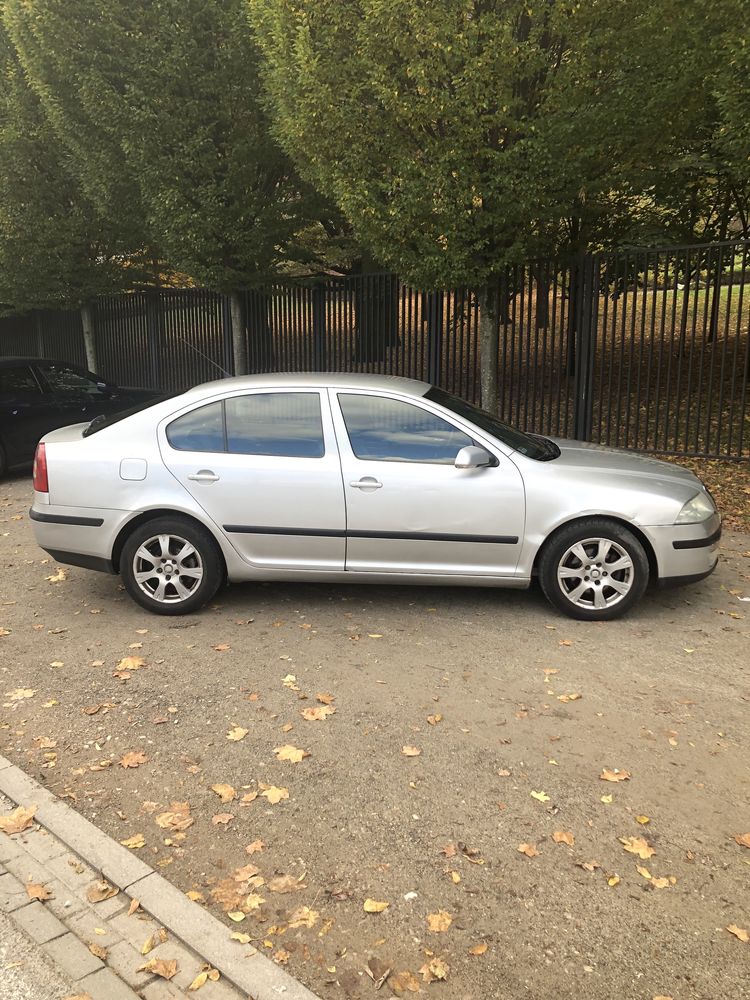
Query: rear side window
[286, 424]
[20, 379]
[199, 430]
[69, 381]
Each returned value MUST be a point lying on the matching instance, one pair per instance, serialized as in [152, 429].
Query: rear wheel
[593, 570]
[171, 566]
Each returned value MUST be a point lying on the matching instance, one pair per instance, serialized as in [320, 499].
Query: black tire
[3, 461]
[598, 589]
[186, 582]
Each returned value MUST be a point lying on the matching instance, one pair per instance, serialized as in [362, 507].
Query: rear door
[409, 509]
[26, 413]
[264, 466]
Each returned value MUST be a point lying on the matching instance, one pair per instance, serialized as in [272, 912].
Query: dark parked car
[38, 395]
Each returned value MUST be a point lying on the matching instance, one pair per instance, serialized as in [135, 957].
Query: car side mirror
[472, 457]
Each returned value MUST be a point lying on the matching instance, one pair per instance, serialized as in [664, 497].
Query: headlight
[699, 508]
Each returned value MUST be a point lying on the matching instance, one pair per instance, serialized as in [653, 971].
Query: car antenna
[211, 361]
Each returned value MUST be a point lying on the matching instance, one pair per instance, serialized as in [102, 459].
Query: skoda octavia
[361, 478]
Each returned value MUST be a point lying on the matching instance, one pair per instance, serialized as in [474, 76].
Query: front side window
[20, 379]
[389, 430]
[199, 430]
[286, 424]
[67, 381]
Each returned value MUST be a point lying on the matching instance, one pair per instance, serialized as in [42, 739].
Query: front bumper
[686, 553]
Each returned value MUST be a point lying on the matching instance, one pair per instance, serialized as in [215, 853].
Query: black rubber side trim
[697, 543]
[97, 563]
[421, 536]
[681, 581]
[87, 522]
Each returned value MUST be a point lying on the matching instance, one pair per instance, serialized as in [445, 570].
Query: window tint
[287, 424]
[19, 379]
[69, 381]
[199, 430]
[389, 430]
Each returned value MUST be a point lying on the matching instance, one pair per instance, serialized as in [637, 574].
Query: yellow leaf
[199, 980]
[100, 891]
[373, 906]
[18, 821]
[20, 693]
[222, 819]
[529, 850]
[131, 663]
[57, 577]
[225, 792]
[239, 936]
[410, 751]
[195, 897]
[319, 713]
[166, 968]
[290, 753]
[479, 949]
[325, 699]
[739, 932]
[613, 880]
[274, 794]
[614, 775]
[643, 820]
[743, 839]
[434, 970]
[439, 922]
[237, 734]
[639, 846]
[237, 915]
[148, 945]
[563, 837]
[606, 799]
[134, 842]
[35, 890]
[304, 917]
[565, 698]
[134, 904]
[540, 796]
[455, 877]
[98, 951]
[255, 847]
[643, 871]
[434, 719]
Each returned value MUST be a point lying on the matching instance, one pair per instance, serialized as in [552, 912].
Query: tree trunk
[489, 344]
[89, 339]
[239, 338]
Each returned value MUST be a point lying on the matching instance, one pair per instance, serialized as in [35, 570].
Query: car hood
[580, 455]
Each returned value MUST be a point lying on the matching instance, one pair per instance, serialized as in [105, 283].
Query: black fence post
[434, 314]
[319, 329]
[155, 333]
[585, 346]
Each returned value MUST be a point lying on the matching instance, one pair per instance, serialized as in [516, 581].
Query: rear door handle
[366, 483]
[204, 476]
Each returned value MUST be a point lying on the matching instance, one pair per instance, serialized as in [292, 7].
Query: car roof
[301, 380]
[8, 359]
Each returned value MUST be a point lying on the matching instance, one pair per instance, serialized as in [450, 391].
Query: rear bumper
[97, 563]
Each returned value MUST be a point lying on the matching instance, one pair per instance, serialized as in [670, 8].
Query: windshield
[106, 420]
[533, 447]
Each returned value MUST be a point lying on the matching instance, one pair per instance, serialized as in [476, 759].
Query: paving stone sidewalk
[99, 945]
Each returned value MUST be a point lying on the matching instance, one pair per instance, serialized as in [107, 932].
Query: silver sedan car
[361, 478]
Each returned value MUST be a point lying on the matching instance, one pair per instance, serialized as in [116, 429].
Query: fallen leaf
[100, 891]
[404, 982]
[540, 796]
[606, 799]
[20, 693]
[434, 970]
[134, 758]
[35, 890]
[134, 904]
[449, 851]
[304, 917]
[222, 819]
[274, 794]
[200, 980]
[479, 949]
[614, 775]
[563, 837]
[319, 713]
[57, 577]
[255, 847]
[325, 699]
[643, 820]
[613, 880]
[130, 663]
[565, 698]
[439, 922]
[743, 839]
[222, 647]
[528, 849]
[18, 821]
[290, 753]
[434, 719]
[411, 751]
[285, 883]
[237, 734]
[166, 968]
[134, 842]
[194, 896]
[96, 949]
[374, 906]
[225, 792]
[739, 932]
[239, 936]
[639, 846]
[177, 818]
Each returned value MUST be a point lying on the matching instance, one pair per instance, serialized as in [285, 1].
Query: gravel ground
[509, 716]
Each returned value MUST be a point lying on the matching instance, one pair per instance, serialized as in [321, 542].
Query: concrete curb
[241, 965]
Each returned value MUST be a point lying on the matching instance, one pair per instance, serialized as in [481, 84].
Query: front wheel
[593, 570]
[171, 566]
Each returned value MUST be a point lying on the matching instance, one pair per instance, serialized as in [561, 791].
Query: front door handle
[204, 476]
[366, 483]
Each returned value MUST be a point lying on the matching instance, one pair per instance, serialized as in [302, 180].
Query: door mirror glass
[472, 457]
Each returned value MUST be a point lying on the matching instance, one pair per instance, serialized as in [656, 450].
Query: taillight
[41, 483]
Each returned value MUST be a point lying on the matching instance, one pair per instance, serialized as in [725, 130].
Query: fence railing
[643, 349]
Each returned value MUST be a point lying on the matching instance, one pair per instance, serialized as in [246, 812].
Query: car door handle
[204, 476]
[366, 483]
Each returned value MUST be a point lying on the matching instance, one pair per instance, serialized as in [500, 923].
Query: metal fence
[644, 349]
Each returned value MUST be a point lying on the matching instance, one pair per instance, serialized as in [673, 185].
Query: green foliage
[55, 249]
[462, 135]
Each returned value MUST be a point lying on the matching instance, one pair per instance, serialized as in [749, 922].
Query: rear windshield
[532, 447]
[107, 419]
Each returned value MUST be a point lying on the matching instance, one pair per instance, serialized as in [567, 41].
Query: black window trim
[225, 434]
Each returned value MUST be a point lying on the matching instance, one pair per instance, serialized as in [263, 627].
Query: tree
[165, 95]
[462, 136]
[55, 248]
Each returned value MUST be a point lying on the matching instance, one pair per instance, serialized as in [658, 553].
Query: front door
[265, 468]
[409, 509]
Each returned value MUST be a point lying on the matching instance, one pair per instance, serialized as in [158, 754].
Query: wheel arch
[152, 515]
[653, 565]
